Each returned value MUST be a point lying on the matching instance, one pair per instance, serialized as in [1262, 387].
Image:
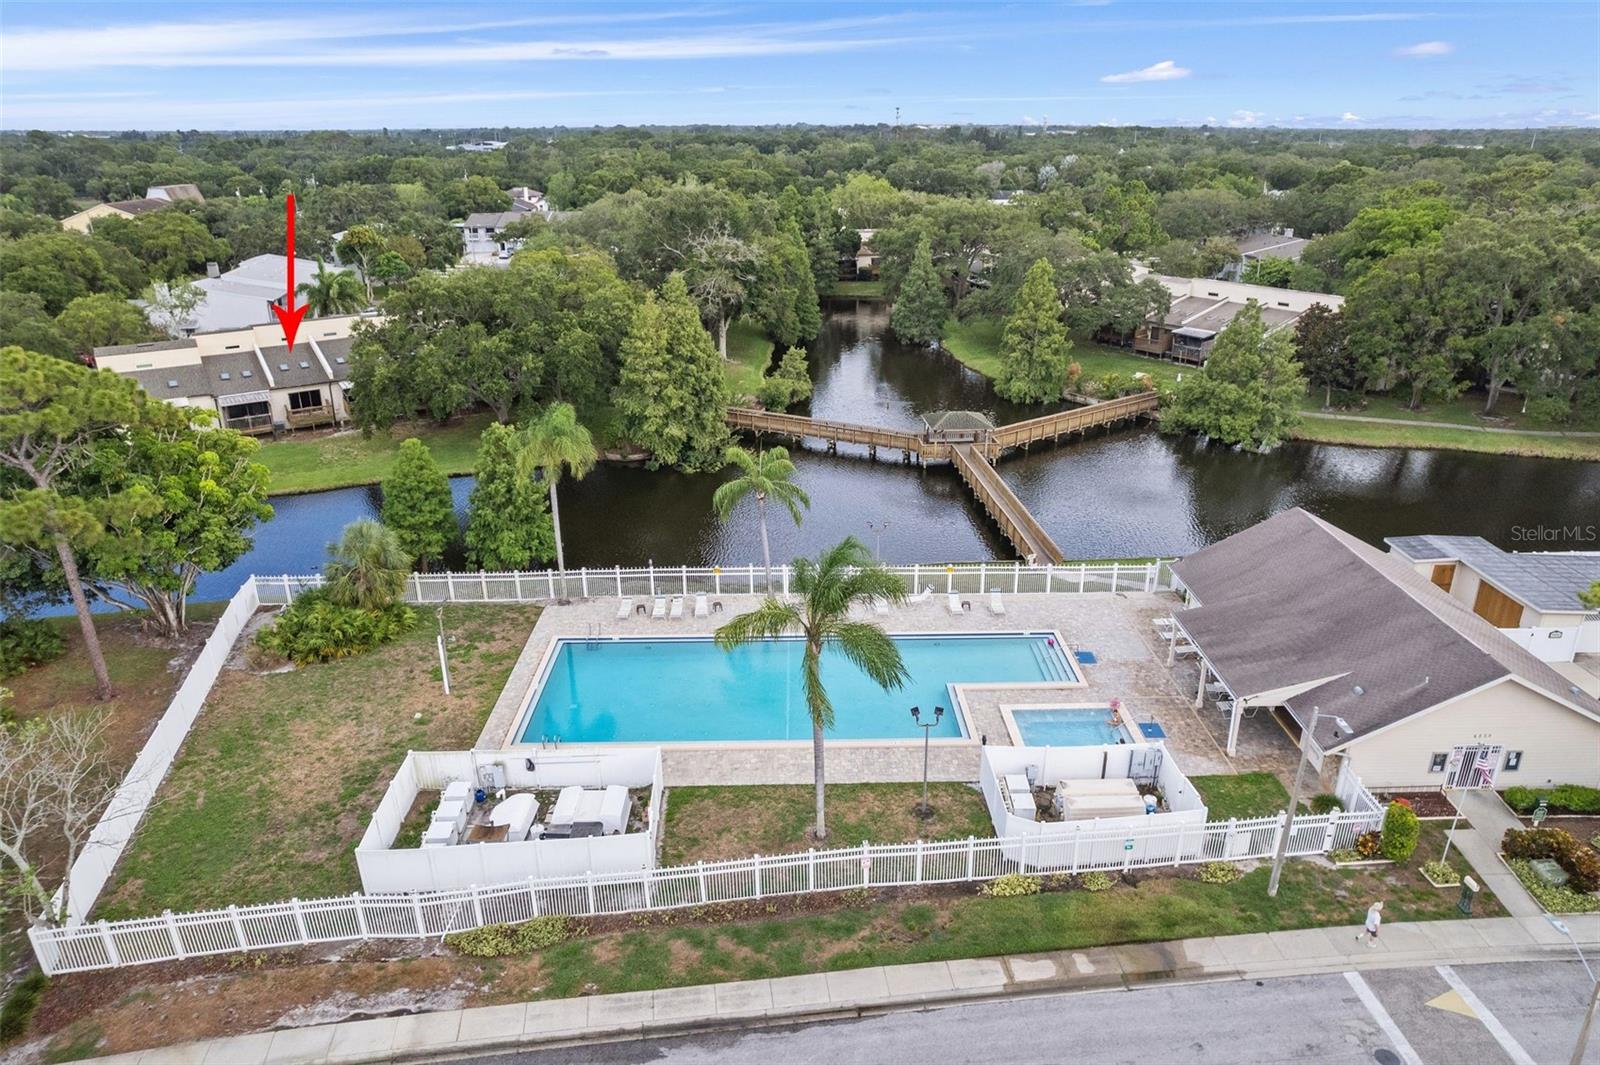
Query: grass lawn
[1241, 795]
[976, 344]
[313, 462]
[1465, 409]
[1368, 434]
[749, 354]
[278, 778]
[719, 823]
[859, 290]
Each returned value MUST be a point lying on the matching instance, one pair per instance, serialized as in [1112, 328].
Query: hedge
[1581, 863]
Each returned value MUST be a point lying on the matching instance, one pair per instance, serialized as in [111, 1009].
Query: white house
[245, 295]
[1294, 616]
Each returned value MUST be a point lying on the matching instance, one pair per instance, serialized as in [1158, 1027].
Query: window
[339, 359]
[225, 375]
[1513, 761]
[283, 366]
[1437, 763]
[172, 382]
[231, 347]
[307, 400]
[304, 365]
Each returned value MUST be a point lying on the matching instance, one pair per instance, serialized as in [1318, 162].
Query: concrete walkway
[1480, 846]
[854, 992]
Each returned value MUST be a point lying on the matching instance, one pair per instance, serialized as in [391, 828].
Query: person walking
[1374, 919]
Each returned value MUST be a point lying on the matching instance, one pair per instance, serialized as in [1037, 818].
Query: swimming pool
[688, 690]
[1082, 726]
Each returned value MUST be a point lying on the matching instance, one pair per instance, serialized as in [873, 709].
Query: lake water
[1121, 493]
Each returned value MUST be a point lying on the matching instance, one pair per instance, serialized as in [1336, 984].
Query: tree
[1249, 390]
[555, 443]
[787, 383]
[1275, 273]
[1125, 218]
[1324, 352]
[719, 270]
[417, 505]
[1034, 349]
[843, 577]
[1590, 596]
[333, 292]
[477, 193]
[25, 323]
[102, 319]
[764, 475]
[172, 306]
[508, 523]
[672, 393]
[367, 569]
[61, 266]
[171, 243]
[1399, 328]
[362, 244]
[783, 294]
[211, 491]
[53, 413]
[919, 310]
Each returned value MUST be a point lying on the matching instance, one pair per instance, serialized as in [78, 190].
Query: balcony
[311, 416]
[250, 423]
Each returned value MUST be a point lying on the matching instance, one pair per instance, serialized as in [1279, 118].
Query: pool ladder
[591, 635]
[550, 742]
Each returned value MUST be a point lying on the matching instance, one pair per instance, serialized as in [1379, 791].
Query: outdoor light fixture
[925, 811]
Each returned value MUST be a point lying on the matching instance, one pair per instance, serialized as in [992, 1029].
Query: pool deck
[1131, 666]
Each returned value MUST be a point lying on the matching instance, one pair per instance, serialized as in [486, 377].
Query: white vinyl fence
[169, 937]
[1356, 798]
[127, 807]
[650, 581]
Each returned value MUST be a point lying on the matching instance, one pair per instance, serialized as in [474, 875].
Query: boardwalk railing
[171, 937]
[536, 585]
[796, 425]
[995, 496]
[1050, 426]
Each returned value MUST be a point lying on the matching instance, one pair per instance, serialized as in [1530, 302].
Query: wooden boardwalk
[971, 453]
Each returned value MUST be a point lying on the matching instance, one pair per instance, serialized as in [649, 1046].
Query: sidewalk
[854, 992]
[1480, 846]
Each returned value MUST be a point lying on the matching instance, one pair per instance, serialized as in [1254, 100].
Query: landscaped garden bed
[1560, 871]
[282, 770]
[1560, 800]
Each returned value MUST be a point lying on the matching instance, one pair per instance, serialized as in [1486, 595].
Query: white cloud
[1425, 50]
[1166, 70]
[1349, 116]
[1242, 119]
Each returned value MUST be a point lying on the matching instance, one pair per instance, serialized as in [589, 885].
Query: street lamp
[1594, 996]
[1307, 738]
[877, 528]
[925, 811]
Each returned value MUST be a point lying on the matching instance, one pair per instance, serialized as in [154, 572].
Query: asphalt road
[1467, 1015]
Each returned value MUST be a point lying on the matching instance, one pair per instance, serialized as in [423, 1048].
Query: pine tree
[788, 383]
[1249, 391]
[672, 393]
[1035, 353]
[417, 505]
[508, 525]
[919, 308]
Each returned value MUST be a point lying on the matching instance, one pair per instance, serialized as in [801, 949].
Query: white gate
[1474, 766]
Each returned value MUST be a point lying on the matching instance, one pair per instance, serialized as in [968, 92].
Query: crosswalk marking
[1385, 1022]
[1507, 1042]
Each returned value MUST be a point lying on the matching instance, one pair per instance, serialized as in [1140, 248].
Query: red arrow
[290, 318]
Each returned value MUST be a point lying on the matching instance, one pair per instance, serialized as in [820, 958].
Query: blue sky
[67, 65]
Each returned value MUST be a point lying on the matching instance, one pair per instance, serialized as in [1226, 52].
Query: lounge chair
[996, 607]
[677, 608]
[625, 608]
[880, 605]
[659, 611]
[922, 596]
[955, 603]
[701, 608]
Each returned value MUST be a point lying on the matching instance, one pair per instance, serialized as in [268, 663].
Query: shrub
[27, 642]
[1576, 798]
[1096, 881]
[1555, 899]
[1344, 854]
[1369, 845]
[1011, 886]
[20, 1004]
[1401, 830]
[315, 629]
[503, 940]
[1440, 872]
[1219, 872]
[1521, 799]
[1325, 803]
[1581, 863]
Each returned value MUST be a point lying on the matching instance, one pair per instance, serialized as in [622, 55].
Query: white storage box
[439, 834]
[457, 791]
[453, 811]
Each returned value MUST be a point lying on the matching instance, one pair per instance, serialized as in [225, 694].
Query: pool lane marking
[1507, 1042]
[1369, 999]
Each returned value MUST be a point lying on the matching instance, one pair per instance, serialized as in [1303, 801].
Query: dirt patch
[1425, 803]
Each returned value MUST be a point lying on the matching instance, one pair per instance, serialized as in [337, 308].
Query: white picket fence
[170, 937]
[650, 581]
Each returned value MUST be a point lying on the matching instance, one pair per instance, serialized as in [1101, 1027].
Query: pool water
[1075, 727]
[691, 691]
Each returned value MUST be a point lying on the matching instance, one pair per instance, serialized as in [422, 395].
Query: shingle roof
[148, 345]
[1271, 246]
[294, 369]
[1542, 580]
[335, 350]
[1294, 602]
[493, 219]
[958, 421]
[191, 381]
[140, 206]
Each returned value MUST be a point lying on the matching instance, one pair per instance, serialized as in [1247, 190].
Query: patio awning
[239, 398]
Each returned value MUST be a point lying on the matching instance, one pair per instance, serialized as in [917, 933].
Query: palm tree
[844, 576]
[555, 442]
[367, 568]
[763, 474]
[333, 292]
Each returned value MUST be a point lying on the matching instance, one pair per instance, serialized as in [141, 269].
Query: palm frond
[871, 650]
[730, 495]
[770, 619]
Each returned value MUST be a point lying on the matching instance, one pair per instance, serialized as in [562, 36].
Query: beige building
[254, 382]
[156, 198]
[1407, 684]
[1202, 307]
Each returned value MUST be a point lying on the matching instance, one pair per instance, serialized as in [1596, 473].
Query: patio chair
[659, 611]
[702, 608]
[677, 608]
[996, 607]
[625, 608]
[955, 604]
[922, 596]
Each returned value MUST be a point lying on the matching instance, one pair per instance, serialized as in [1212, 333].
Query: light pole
[444, 660]
[877, 528]
[1594, 995]
[1307, 738]
[925, 811]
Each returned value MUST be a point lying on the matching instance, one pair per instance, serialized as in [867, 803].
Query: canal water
[1119, 493]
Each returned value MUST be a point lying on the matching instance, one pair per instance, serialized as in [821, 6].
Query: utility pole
[1307, 738]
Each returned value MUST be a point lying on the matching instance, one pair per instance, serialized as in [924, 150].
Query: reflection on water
[1126, 492]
